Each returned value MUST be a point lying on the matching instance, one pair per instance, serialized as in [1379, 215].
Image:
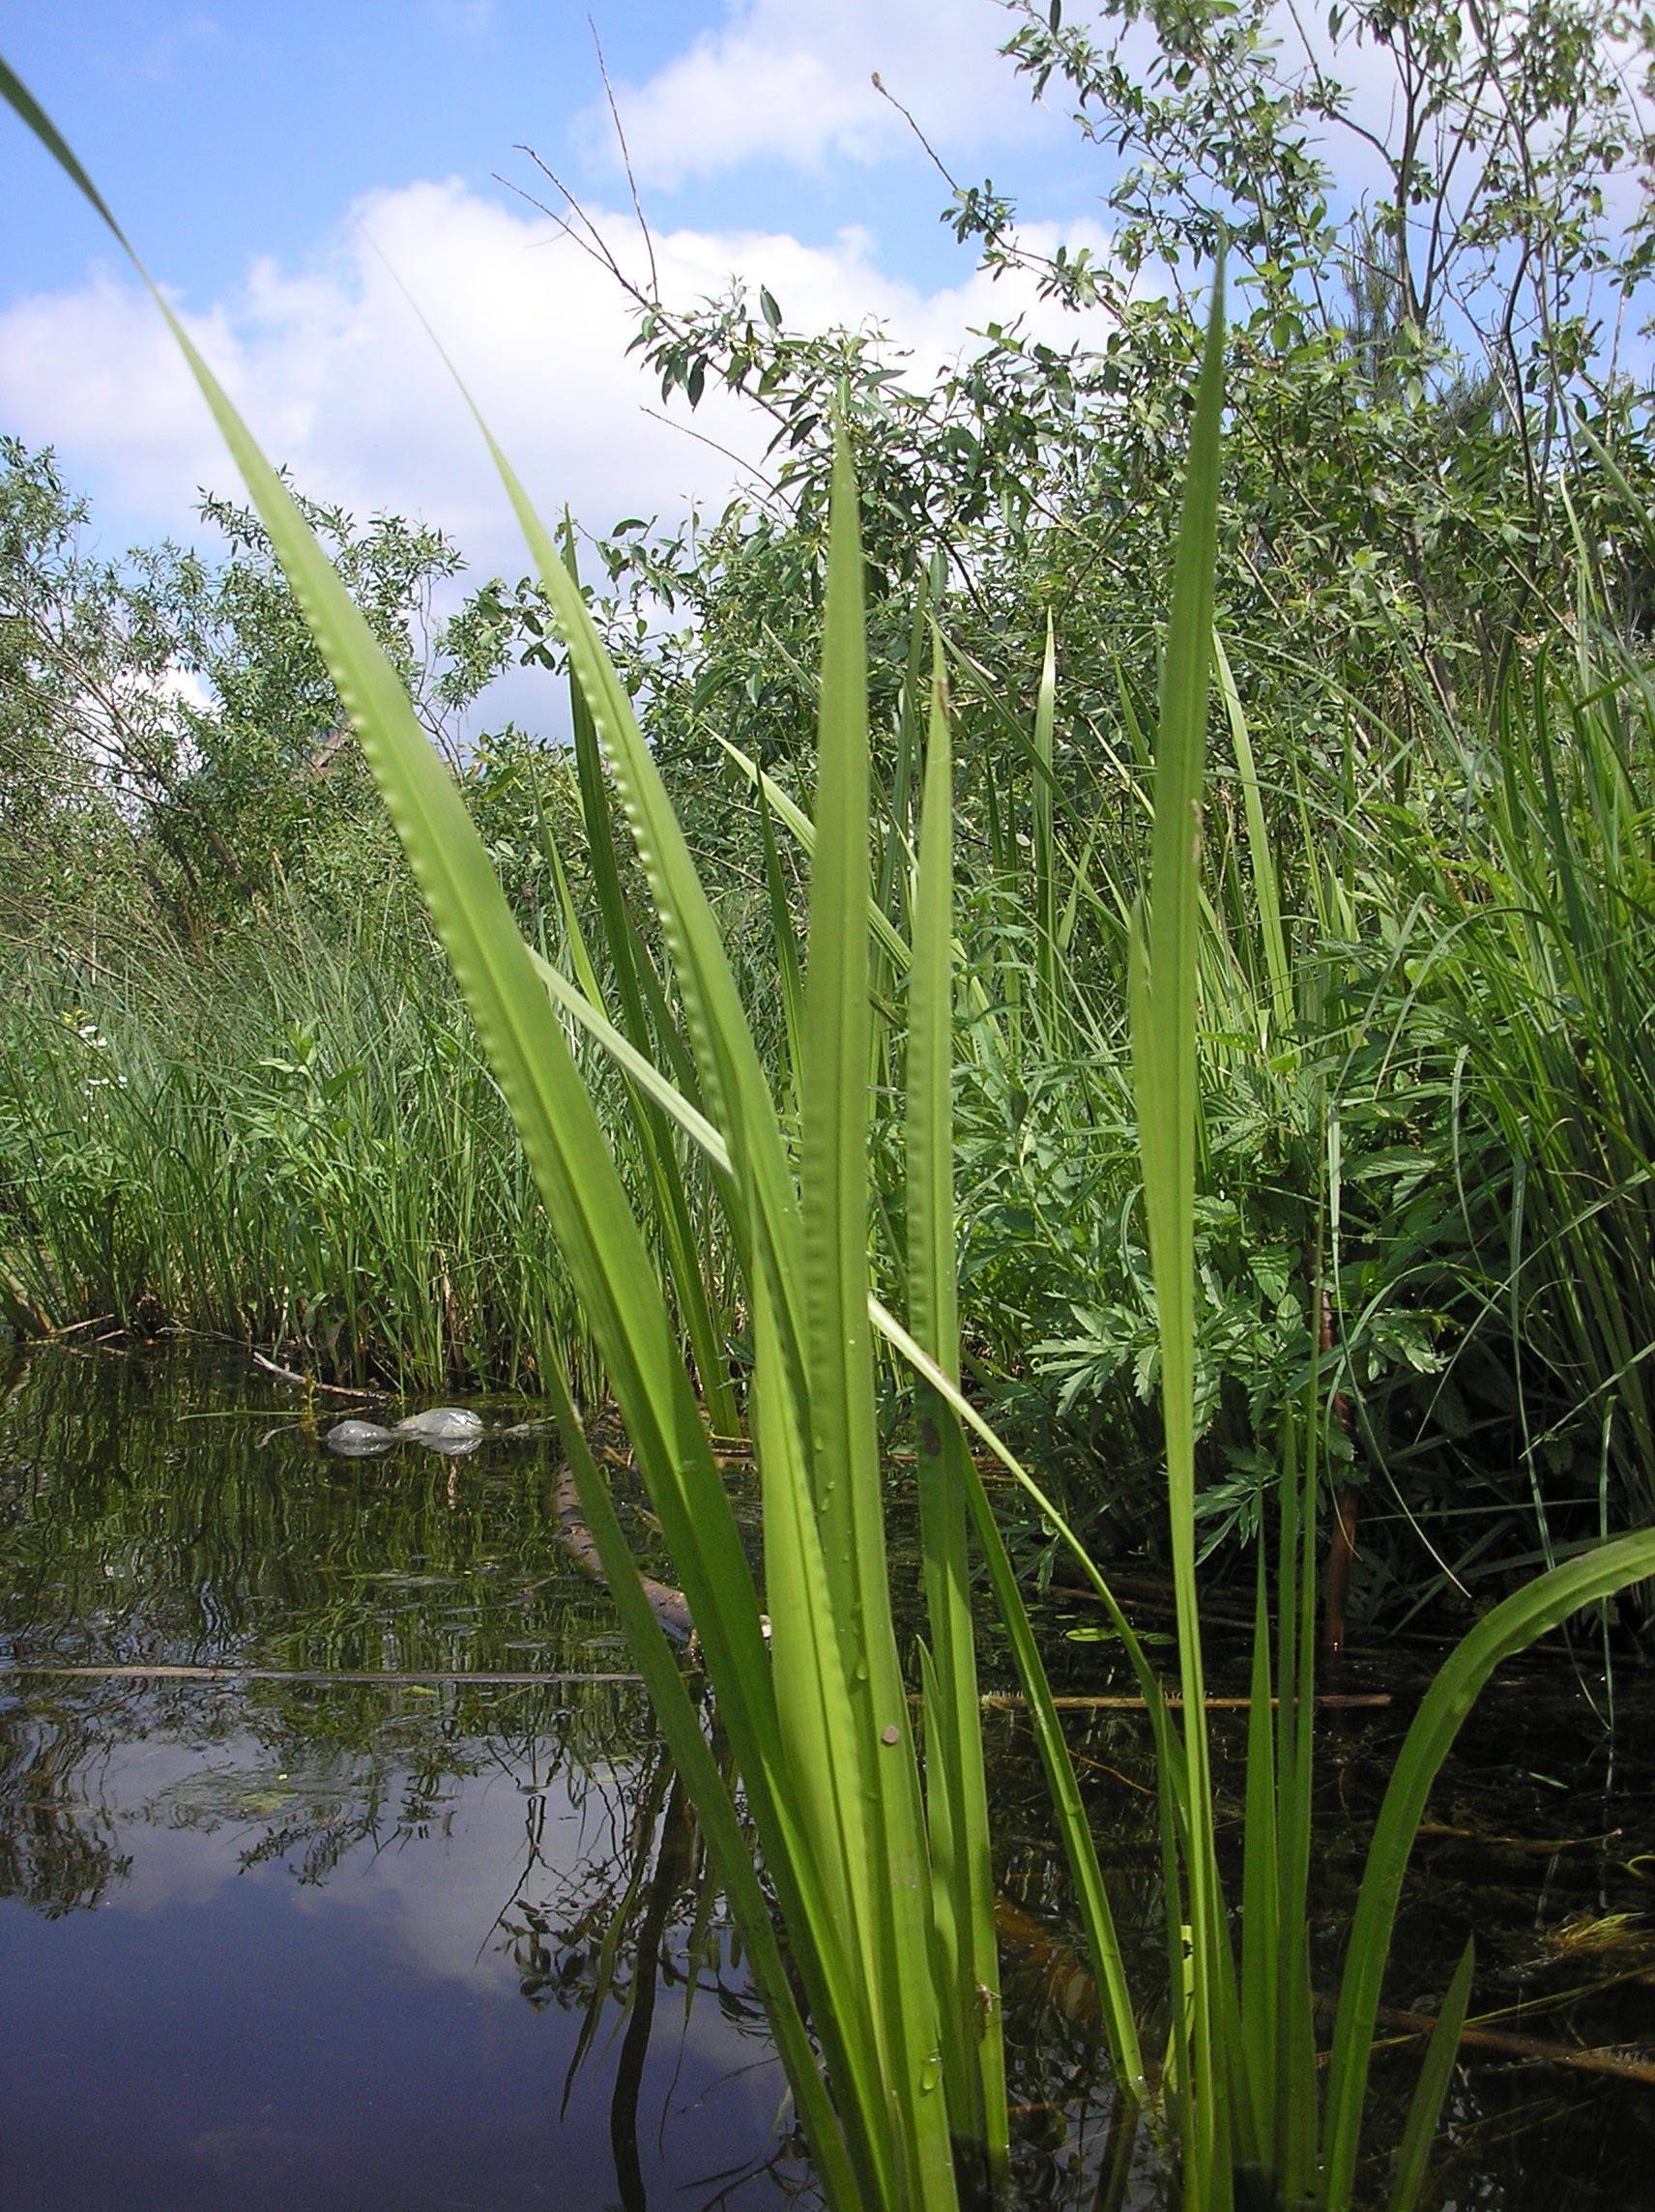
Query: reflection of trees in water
[599, 1916]
[310, 1784]
[170, 1506]
[133, 1532]
[639, 1915]
[58, 1845]
[637, 1881]
[143, 1520]
[137, 1524]
[147, 1514]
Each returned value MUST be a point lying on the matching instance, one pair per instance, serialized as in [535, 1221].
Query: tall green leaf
[956, 1789]
[1045, 855]
[1511, 1627]
[1163, 1012]
[1425, 2106]
[844, 1439]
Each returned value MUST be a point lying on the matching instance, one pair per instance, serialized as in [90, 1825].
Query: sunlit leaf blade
[672, 1202]
[736, 1093]
[1266, 889]
[682, 1727]
[1068, 1808]
[1260, 1877]
[1297, 2089]
[956, 1789]
[803, 829]
[855, 1943]
[1045, 858]
[844, 1440]
[786, 942]
[581, 1006]
[1164, 968]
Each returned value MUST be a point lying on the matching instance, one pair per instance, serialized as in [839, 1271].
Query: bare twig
[1070, 1985]
[626, 157]
[747, 468]
[1542, 1847]
[1627, 2065]
[593, 242]
[97, 1321]
[885, 92]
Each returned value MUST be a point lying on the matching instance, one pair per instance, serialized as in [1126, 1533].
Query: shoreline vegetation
[284, 1130]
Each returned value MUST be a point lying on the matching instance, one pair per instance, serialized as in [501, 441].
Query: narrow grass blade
[786, 942]
[735, 1091]
[799, 824]
[625, 1054]
[1511, 1627]
[1045, 858]
[1266, 887]
[672, 1202]
[1102, 1941]
[843, 1438]
[894, 844]
[1298, 2082]
[1424, 2108]
[1261, 1899]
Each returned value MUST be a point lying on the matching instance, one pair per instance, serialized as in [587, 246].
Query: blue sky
[222, 133]
[254, 152]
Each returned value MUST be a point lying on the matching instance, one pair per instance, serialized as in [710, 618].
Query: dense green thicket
[239, 1093]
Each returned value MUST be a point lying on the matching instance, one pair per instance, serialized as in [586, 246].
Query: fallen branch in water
[1331, 1701]
[670, 1607]
[1072, 1988]
[1625, 2065]
[1541, 1847]
[309, 1382]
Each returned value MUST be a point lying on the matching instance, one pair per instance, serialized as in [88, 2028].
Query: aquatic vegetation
[878, 1862]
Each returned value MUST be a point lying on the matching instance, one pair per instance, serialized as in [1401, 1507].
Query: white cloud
[337, 378]
[790, 80]
[96, 373]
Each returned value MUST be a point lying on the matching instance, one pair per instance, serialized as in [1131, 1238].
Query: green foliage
[1433, 450]
[1244, 2070]
[168, 718]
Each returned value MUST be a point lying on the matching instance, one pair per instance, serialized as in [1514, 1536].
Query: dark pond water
[449, 1945]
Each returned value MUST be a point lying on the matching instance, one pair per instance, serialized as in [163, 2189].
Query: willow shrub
[880, 1869]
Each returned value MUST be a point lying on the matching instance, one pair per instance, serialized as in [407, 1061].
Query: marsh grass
[289, 1134]
[294, 1140]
